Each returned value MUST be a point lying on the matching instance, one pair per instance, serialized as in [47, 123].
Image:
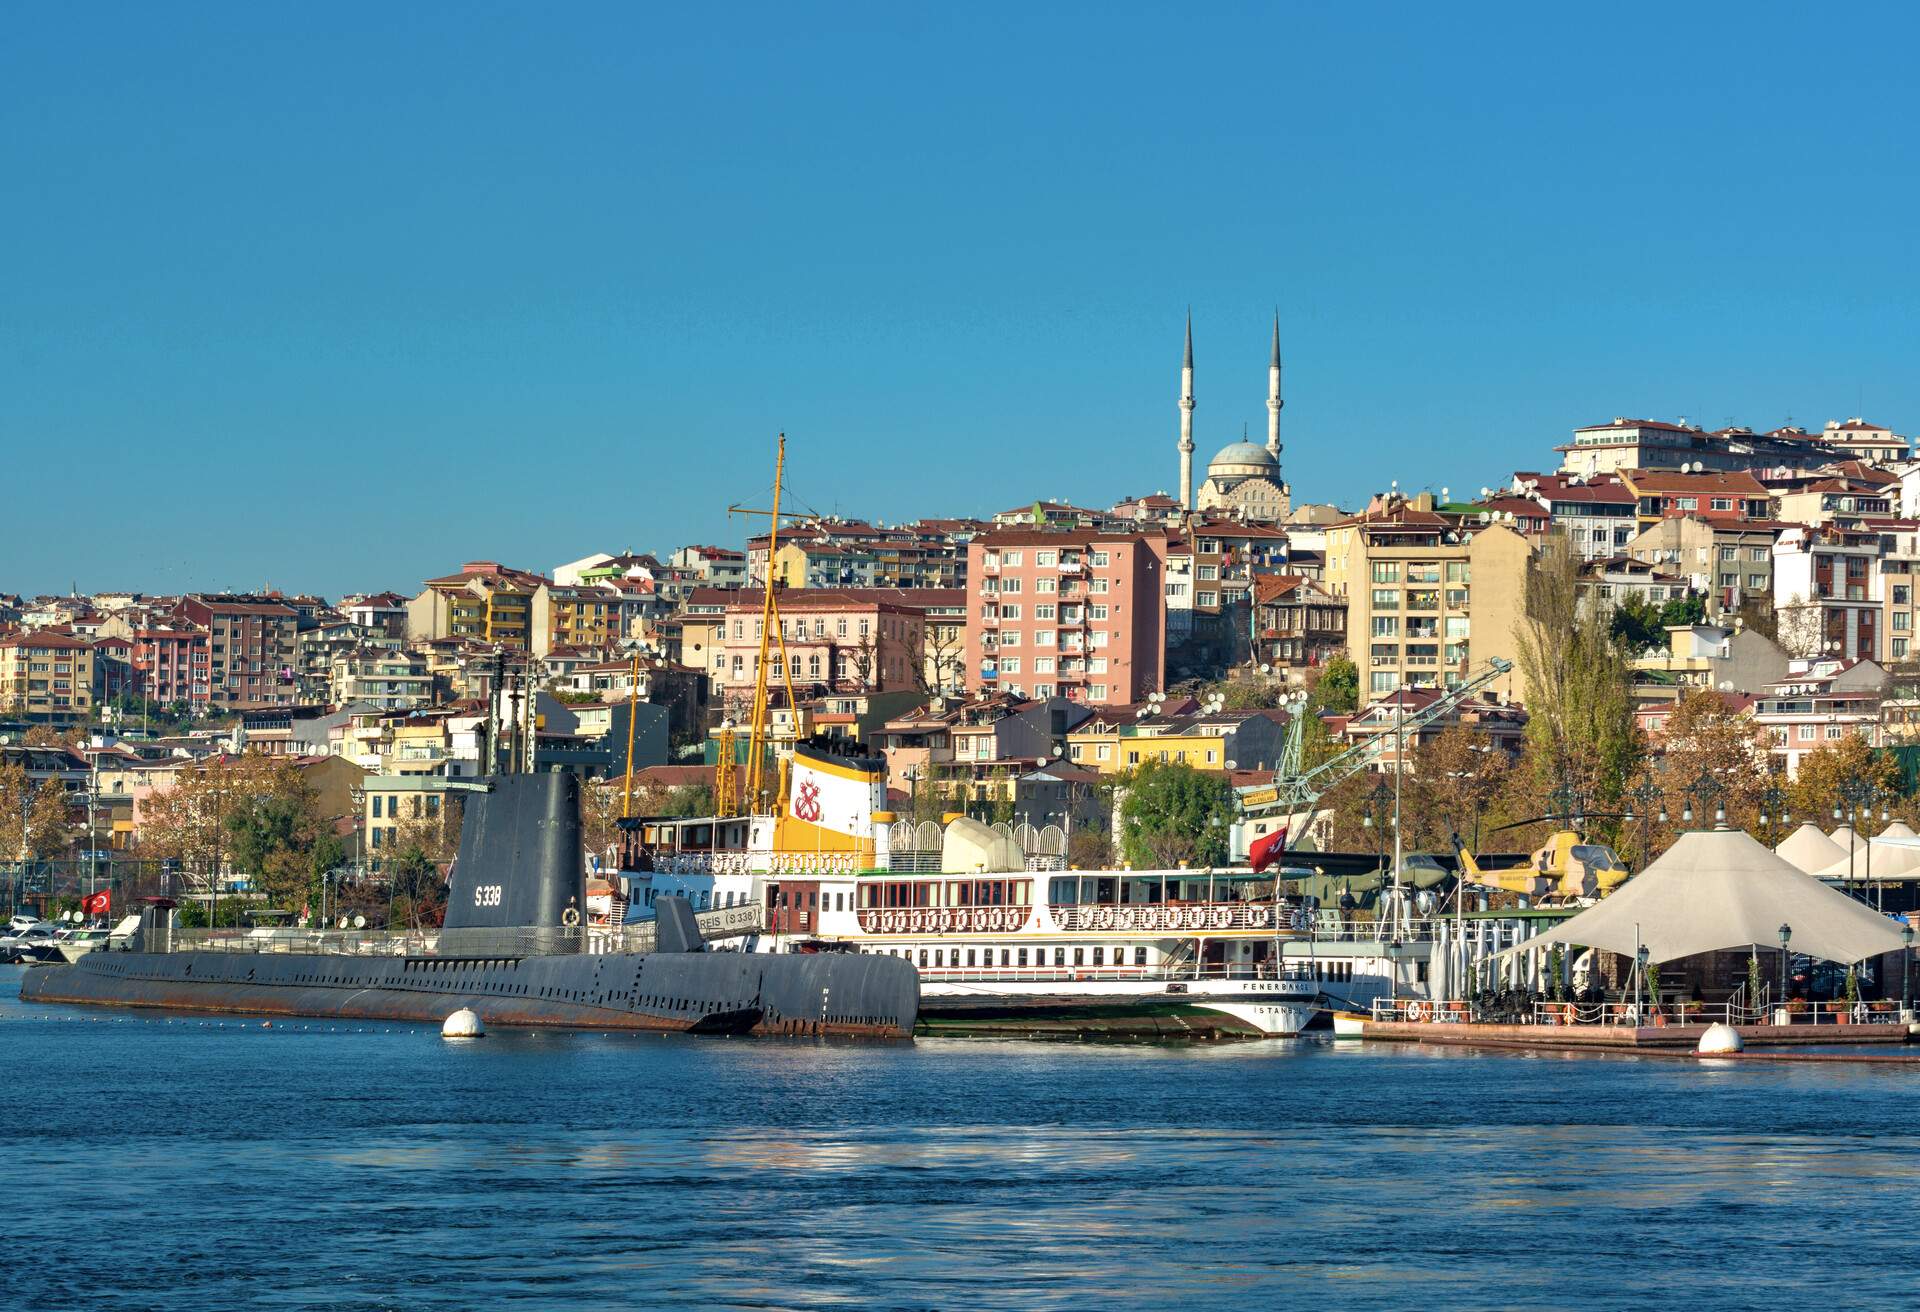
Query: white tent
[1720, 889]
[971, 846]
[1891, 856]
[1808, 850]
[1844, 838]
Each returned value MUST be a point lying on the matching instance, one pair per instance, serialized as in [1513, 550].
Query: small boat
[1349, 1024]
[28, 943]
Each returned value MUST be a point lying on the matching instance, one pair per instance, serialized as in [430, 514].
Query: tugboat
[513, 950]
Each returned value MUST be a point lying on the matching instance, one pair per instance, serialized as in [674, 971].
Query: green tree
[1338, 688]
[1579, 696]
[1174, 813]
[270, 838]
[1689, 609]
[1636, 624]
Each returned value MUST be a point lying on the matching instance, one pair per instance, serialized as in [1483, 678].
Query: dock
[1619, 1038]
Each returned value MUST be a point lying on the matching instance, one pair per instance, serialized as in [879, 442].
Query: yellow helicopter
[1567, 868]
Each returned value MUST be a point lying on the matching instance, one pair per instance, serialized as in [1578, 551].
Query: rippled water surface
[189, 1163]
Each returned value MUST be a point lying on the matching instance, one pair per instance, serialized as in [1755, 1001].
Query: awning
[1719, 889]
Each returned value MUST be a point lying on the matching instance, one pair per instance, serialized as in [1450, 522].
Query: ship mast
[772, 636]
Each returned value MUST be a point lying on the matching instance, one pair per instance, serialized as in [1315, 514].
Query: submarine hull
[693, 992]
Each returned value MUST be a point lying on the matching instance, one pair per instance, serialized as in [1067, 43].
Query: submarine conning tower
[518, 885]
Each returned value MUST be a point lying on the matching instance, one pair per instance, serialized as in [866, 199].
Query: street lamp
[1640, 959]
[1644, 797]
[1906, 967]
[1707, 789]
[1786, 933]
[1773, 802]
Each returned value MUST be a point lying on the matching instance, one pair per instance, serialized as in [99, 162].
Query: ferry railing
[1160, 974]
[714, 925]
[1624, 1014]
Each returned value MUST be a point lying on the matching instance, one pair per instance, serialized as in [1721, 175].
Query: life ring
[1221, 917]
[1129, 918]
[1417, 1011]
[570, 917]
[1257, 917]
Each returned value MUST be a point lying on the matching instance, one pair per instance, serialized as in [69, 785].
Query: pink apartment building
[834, 642]
[1078, 614]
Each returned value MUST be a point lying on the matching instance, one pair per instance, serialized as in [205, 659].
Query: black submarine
[512, 950]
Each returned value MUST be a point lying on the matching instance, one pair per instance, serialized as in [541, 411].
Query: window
[1046, 585]
[1009, 612]
[840, 627]
[1043, 665]
[1757, 553]
[1901, 619]
[1045, 557]
[1207, 573]
[1098, 586]
[1097, 693]
[1728, 553]
[1097, 612]
[1009, 586]
[1386, 626]
[1097, 665]
[1386, 571]
[1011, 557]
[1723, 503]
[1899, 648]
[1100, 637]
[1835, 731]
[1100, 559]
[1457, 572]
[1383, 682]
[1043, 611]
[1043, 637]
[1686, 503]
[1386, 599]
[1011, 638]
[1205, 598]
[1757, 582]
[1009, 665]
[1729, 580]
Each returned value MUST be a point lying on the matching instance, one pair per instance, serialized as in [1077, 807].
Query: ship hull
[701, 992]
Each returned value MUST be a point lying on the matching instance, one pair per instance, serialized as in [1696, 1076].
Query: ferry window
[1059, 956]
[1099, 956]
[1079, 956]
[970, 955]
[839, 901]
[1023, 956]
[937, 954]
[813, 901]
[923, 956]
[1139, 956]
[1006, 956]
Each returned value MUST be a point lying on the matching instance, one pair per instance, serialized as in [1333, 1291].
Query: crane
[1294, 789]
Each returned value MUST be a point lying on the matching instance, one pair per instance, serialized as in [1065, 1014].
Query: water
[184, 1162]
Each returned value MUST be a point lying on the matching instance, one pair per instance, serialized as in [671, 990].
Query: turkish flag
[1268, 848]
[97, 904]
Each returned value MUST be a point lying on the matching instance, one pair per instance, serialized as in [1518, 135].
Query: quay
[1683, 1038]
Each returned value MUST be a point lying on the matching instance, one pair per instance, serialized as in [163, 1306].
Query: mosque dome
[1244, 457]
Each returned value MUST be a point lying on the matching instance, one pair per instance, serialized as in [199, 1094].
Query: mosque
[1243, 479]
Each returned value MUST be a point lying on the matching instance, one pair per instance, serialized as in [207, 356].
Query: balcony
[1072, 567]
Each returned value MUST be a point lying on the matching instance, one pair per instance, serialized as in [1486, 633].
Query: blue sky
[334, 296]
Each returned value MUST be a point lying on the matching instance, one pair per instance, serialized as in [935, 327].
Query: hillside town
[1756, 590]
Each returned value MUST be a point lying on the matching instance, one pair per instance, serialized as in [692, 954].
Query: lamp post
[1773, 803]
[1644, 798]
[1709, 791]
[1906, 967]
[1639, 977]
[1786, 933]
[1858, 794]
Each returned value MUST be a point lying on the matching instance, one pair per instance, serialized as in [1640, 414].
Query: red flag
[1268, 848]
[97, 904]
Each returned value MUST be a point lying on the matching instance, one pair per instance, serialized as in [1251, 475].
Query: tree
[33, 812]
[271, 807]
[1817, 783]
[1797, 628]
[1636, 624]
[1454, 779]
[1337, 690]
[1254, 693]
[1174, 813]
[1706, 739]
[1579, 689]
[1755, 612]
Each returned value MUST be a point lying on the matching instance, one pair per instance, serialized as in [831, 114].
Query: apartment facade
[1727, 560]
[1077, 613]
[251, 655]
[46, 677]
[1427, 600]
[486, 601]
[1826, 593]
[831, 641]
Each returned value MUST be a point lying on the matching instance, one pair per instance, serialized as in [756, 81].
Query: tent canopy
[1720, 889]
[1807, 849]
[1893, 855]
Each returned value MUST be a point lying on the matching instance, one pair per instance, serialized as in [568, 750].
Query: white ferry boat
[989, 924]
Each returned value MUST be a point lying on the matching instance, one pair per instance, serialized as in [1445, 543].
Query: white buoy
[463, 1024]
[1721, 1037]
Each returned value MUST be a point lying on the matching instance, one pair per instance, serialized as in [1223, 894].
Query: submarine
[512, 950]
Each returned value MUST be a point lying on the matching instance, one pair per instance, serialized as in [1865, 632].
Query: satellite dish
[1266, 669]
[343, 922]
[359, 922]
[1058, 750]
[1233, 765]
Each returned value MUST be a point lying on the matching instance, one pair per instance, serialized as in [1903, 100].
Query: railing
[1625, 1014]
[715, 924]
[943, 920]
[1164, 973]
[1198, 917]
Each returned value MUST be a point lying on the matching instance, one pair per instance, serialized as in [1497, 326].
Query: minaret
[1186, 422]
[1273, 392]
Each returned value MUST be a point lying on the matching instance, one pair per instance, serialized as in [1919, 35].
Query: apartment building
[1663, 494]
[1726, 559]
[1597, 515]
[830, 640]
[1228, 740]
[251, 655]
[172, 664]
[1428, 599]
[1300, 624]
[714, 567]
[1075, 613]
[1651, 444]
[1826, 593]
[380, 677]
[1820, 701]
[46, 677]
[486, 601]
